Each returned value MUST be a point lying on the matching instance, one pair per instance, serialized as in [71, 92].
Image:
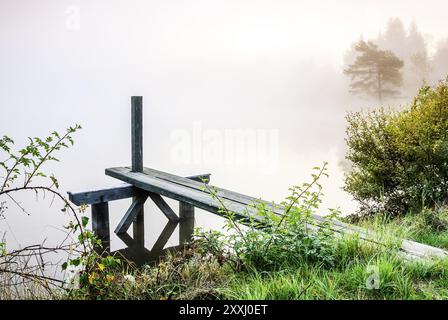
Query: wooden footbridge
[140, 183]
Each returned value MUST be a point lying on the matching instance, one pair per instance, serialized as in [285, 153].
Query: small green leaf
[75, 262]
[85, 221]
[55, 181]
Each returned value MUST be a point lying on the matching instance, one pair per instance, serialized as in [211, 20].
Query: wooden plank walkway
[142, 183]
[189, 191]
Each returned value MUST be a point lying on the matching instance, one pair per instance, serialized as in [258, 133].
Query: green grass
[429, 227]
[399, 279]
[196, 273]
[193, 276]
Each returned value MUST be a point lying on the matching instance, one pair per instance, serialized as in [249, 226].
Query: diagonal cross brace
[131, 214]
[164, 207]
[137, 206]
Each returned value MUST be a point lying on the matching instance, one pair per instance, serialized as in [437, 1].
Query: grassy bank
[275, 256]
[360, 271]
[357, 261]
[344, 268]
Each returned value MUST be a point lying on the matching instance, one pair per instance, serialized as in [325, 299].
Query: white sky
[216, 30]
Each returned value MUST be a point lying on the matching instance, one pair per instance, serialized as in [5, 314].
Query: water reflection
[136, 252]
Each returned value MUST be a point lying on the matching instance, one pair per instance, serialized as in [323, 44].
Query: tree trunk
[380, 85]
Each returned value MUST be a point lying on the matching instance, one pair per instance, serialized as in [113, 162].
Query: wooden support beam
[130, 215]
[137, 133]
[118, 192]
[164, 207]
[164, 236]
[127, 239]
[100, 225]
[138, 228]
[98, 198]
[94, 196]
[186, 213]
[137, 162]
[186, 225]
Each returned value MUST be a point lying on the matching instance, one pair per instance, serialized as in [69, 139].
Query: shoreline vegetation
[399, 174]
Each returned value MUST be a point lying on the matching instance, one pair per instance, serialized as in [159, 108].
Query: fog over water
[204, 68]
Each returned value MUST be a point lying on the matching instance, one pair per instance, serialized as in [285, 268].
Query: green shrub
[184, 274]
[400, 158]
[276, 241]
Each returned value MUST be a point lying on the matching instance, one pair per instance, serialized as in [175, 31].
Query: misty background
[257, 65]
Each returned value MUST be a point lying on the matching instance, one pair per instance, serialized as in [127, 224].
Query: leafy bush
[183, 274]
[400, 158]
[30, 271]
[276, 241]
[22, 170]
[436, 220]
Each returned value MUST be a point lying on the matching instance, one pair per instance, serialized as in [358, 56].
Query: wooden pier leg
[100, 225]
[137, 160]
[186, 224]
[186, 214]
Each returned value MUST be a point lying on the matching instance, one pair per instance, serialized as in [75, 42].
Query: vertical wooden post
[100, 225]
[186, 214]
[137, 159]
[186, 224]
[137, 133]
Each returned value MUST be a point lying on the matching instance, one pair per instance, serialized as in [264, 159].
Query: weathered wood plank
[194, 193]
[246, 200]
[94, 196]
[417, 249]
[197, 195]
[125, 191]
[131, 214]
[118, 192]
[198, 198]
[236, 197]
[164, 207]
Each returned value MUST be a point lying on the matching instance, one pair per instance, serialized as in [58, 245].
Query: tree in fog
[420, 68]
[409, 45]
[440, 61]
[394, 38]
[417, 61]
[375, 72]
